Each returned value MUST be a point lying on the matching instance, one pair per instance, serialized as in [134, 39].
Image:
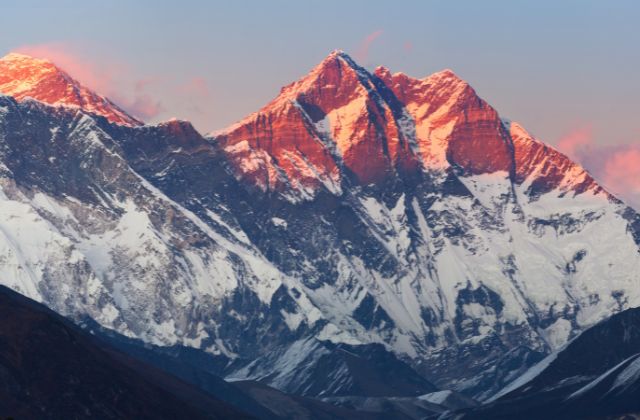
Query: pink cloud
[621, 171]
[408, 47]
[576, 141]
[98, 76]
[615, 167]
[145, 107]
[142, 104]
[109, 77]
[142, 84]
[362, 54]
[195, 96]
[140, 101]
[196, 86]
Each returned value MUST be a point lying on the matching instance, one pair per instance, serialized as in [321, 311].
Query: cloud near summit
[362, 53]
[616, 167]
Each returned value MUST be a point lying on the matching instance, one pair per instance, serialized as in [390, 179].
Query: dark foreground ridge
[50, 368]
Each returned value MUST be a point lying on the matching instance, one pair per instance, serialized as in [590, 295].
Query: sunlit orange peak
[23, 76]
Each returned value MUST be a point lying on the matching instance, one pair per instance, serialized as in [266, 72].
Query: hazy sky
[567, 70]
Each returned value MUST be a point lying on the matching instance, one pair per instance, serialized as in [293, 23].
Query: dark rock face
[51, 369]
[323, 369]
[303, 408]
[428, 406]
[595, 376]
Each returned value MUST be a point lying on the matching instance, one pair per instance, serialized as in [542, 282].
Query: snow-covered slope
[89, 236]
[356, 208]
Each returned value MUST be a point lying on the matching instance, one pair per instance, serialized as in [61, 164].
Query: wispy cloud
[195, 96]
[576, 140]
[68, 56]
[408, 47]
[195, 86]
[110, 77]
[141, 103]
[620, 172]
[615, 167]
[362, 54]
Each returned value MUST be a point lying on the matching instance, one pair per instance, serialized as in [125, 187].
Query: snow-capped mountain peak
[314, 134]
[23, 76]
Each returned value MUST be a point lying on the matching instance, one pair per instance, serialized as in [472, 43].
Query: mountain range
[363, 235]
